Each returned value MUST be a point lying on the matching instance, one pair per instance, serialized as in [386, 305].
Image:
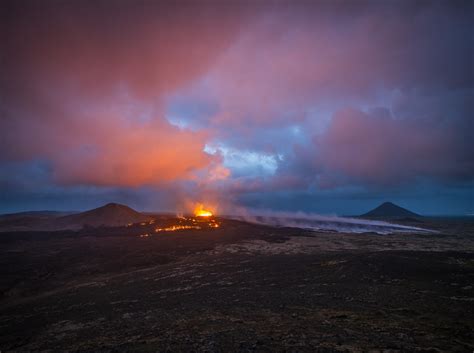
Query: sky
[327, 107]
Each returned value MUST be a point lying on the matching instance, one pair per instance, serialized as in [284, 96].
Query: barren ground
[241, 287]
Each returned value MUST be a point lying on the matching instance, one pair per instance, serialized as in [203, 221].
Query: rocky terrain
[240, 287]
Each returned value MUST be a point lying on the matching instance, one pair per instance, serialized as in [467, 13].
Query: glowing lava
[200, 211]
[203, 220]
[175, 228]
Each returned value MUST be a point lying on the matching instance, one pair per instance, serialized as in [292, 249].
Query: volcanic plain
[237, 287]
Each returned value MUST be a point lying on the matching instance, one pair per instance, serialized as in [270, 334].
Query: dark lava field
[239, 287]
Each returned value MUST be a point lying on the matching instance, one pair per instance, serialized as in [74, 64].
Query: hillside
[110, 215]
[389, 210]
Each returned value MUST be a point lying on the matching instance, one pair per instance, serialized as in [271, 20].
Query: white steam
[324, 223]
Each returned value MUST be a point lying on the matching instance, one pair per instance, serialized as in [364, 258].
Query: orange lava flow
[175, 228]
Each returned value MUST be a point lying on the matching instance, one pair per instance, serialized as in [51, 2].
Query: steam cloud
[324, 223]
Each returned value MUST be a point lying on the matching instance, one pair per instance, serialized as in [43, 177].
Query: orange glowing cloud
[85, 88]
[136, 157]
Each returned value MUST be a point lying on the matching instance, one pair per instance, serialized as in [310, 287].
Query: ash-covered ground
[238, 287]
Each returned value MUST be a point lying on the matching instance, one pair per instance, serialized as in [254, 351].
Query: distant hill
[389, 210]
[29, 220]
[44, 214]
[110, 215]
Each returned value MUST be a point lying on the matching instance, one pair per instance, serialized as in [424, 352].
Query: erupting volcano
[200, 211]
[202, 219]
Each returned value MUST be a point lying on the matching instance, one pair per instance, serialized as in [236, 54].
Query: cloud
[291, 60]
[82, 86]
[376, 148]
[297, 95]
[284, 88]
